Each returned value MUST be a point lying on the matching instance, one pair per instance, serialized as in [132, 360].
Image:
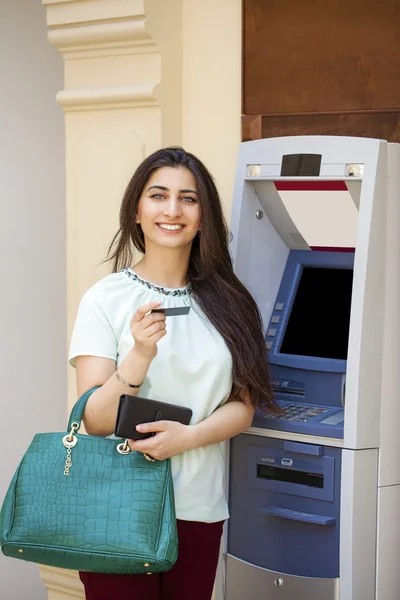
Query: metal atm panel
[245, 580]
[294, 525]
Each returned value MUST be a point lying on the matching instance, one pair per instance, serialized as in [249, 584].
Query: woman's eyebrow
[158, 187]
[162, 187]
[188, 191]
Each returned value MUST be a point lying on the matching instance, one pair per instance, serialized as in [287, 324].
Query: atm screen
[320, 317]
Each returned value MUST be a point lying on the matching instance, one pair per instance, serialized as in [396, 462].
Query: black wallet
[134, 410]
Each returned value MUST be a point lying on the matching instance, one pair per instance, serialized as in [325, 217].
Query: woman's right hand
[147, 329]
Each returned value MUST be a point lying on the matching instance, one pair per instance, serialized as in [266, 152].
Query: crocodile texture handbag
[88, 503]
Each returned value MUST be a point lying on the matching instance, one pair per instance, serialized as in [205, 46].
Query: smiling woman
[212, 359]
[168, 208]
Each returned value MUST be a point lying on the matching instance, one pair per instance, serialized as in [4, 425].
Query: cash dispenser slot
[298, 469]
[284, 474]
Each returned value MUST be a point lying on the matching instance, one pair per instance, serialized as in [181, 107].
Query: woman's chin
[172, 242]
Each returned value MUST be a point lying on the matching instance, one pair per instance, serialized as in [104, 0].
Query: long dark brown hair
[221, 296]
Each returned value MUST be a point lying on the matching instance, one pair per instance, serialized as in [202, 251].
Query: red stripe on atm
[312, 186]
[331, 249]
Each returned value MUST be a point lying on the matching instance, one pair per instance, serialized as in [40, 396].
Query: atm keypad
[298, 412]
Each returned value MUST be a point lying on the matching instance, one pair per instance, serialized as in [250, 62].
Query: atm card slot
[288, 392]
[288, 386]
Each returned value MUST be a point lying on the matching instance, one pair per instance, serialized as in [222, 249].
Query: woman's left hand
[171, 438]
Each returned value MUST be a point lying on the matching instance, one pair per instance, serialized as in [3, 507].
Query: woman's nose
[172, 208]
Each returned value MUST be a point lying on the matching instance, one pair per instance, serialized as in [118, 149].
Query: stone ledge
[89, 99]
[125, 33]
[69, 12]
[63, 581]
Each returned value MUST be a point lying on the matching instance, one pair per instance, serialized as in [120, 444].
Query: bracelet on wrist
[122, 380]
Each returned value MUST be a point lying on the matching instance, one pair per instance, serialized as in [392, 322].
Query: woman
[212, 360]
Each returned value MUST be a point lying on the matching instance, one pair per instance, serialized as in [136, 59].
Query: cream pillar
[139, 75]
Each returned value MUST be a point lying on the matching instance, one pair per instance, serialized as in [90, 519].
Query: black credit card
[175, 311]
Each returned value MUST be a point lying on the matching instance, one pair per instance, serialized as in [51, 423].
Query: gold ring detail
[148, 457]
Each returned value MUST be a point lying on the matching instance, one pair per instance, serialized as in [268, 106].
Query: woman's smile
[170, 227]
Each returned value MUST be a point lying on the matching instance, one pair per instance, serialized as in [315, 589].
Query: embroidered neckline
[166, 291]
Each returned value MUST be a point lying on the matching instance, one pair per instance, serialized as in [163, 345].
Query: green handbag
[90, 504]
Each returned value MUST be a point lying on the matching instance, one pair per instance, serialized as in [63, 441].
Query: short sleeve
[93, 333]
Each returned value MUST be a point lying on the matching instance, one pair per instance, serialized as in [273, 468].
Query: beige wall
[211, 88]
[32, 253]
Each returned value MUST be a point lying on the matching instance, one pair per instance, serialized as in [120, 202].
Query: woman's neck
[168, 269]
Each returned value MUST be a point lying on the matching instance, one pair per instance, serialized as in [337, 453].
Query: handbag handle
[74, 425]
[79, 408]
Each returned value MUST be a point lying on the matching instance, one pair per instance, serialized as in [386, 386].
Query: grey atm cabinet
[342, 212]
[248, 582]
[283, 534]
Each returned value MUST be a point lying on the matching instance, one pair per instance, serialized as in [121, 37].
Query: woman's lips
[170, 231]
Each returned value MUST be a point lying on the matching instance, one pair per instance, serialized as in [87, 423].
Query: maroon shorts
[192, 576]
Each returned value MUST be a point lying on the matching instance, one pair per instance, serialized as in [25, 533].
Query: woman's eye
[189, 199]
[158, 196]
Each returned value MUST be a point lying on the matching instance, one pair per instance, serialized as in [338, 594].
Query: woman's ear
[137, 220]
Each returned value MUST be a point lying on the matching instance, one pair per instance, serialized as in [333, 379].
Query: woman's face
[169, 209]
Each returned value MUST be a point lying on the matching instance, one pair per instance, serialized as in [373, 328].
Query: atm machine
[314, 490]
